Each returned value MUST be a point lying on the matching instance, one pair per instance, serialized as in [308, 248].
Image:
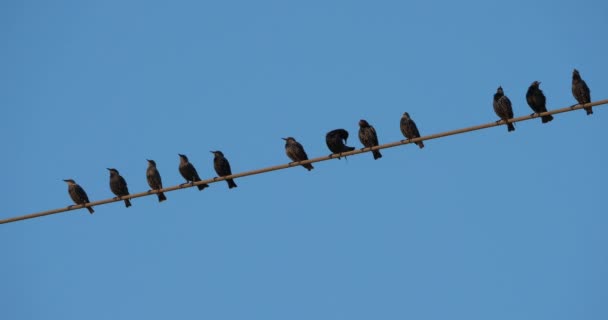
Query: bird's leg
[215, 178]
[499, 120]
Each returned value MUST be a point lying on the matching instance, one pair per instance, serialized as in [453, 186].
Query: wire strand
[294, 164]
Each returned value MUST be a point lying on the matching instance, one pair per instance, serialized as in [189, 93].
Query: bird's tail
[589, 111]
[231, 183]
[546, 118]
[420, 144]
[161, 197]
[510, 127]
[377, 154]
[90, 210]
[347, 149]
[308, 166]
[202, 186]
[127, 203]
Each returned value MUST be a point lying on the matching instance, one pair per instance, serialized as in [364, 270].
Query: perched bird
[580, 91]
[222, 167]
[295, 152]
[368, 137]
[336, 141]
[77, 194]
[189, 172]
[118, 185]
[154, 180]
[536, 100]
[409, 129]
[503, 109]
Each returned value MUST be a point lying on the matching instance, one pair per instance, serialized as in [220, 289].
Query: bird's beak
[284, 139]
[212, 151]
[108, 169]
[66, 180]
[181, 155]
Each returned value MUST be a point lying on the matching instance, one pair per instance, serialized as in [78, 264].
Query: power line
[293, 164]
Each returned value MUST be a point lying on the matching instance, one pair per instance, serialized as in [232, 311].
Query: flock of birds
[336, 142]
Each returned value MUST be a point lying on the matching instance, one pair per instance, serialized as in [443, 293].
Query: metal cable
[293, 164]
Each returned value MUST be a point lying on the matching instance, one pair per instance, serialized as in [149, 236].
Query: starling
[189, 172]
[536, 100]
[118, 185]
[503, 109]
[77, 194]
[296, 152]
[368, 137]
[154, 180]
[222, 167]
[580, 91]
[409, 129]
[336, 141]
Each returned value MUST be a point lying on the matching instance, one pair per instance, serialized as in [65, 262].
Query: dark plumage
[295, 152]
[154, 180]
[188, 171]
[118, 185]
[503, 109]
[369, 138]
[336, 141]
[580, 91]
[222, 167]
[537, 101]
[409, 129]
[77, 194]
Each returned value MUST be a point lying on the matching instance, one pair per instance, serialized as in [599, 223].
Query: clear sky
[483, 225]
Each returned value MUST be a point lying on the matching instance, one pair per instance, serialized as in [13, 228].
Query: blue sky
[483, 225]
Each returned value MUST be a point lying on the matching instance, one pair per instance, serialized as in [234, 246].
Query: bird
[409, 129]
[154, 180]
[503, 109]
[295, 152]
[118, 185]
[537, 101]
[222, 167]
[368, 137]
[77, 194]
[188, 171]
[336, 141]
[580, 91]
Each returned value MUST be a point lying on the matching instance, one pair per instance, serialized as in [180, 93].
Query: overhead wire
[313, 160]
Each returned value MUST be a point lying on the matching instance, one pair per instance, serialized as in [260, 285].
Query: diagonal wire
[293, 164]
